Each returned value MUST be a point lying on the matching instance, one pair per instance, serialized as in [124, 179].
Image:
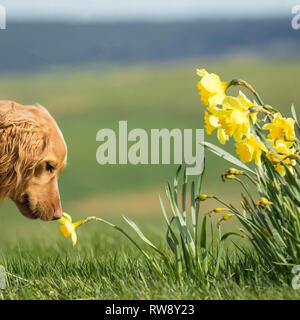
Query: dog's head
[32, 155]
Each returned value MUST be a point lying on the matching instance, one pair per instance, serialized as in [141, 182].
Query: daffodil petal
[67, 216]
[74, 238]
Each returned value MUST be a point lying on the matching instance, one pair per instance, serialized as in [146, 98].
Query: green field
[44, 265]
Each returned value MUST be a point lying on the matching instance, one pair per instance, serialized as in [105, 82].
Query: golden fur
[32, 154]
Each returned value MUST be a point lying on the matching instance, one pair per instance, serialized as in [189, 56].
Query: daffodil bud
[219, 210]
[243, 83]
[232, 177]
[235, 171]
[253, 109]
[227, 216]
[264, 201]
[203, 197]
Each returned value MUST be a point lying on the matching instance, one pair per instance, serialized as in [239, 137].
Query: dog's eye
[49, 167]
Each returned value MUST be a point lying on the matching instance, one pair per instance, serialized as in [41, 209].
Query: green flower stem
[227, 205]
[259, 99]
[88, 219]
[245, 84]
[250, 178]
[246, 189]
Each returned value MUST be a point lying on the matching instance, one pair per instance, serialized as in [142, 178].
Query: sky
[143, 10]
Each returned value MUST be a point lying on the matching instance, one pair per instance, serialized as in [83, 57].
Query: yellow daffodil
[237, 123]
[68, 227]
[280, 128]
[232, 119]
[248, 149]
[212, 122]
[285, 153]
[211, 88]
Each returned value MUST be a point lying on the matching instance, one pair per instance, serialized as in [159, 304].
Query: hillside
[29, 46]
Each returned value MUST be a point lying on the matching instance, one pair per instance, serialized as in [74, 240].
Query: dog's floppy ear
[22, 145]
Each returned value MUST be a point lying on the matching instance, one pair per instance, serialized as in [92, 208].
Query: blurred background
[92, 63]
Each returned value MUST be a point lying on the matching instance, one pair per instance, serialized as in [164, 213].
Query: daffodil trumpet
[211, 88]
[68, 228]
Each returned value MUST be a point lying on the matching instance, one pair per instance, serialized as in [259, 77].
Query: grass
[104, 266]
[44, 265]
